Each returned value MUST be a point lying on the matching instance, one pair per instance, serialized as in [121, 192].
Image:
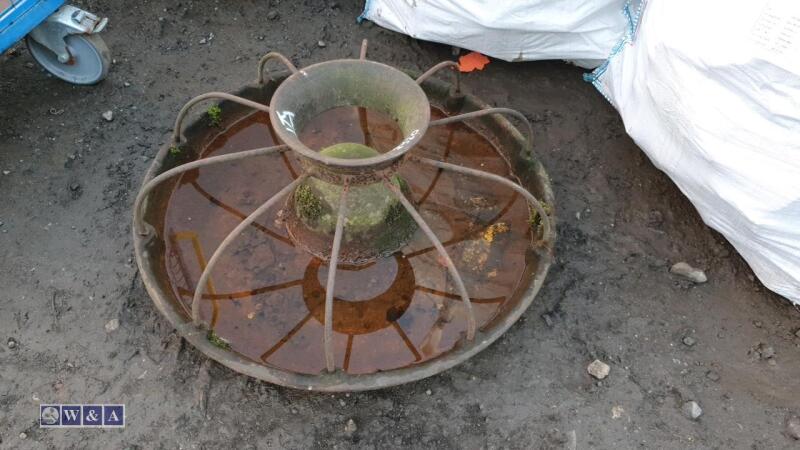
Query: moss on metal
[217, 341]
[373, 212]
[308, 204]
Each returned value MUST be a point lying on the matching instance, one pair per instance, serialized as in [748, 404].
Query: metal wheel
[90, 59]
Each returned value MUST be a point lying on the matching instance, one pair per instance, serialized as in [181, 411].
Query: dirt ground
[69, 179]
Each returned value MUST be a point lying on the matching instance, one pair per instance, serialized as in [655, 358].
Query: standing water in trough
[266, 298]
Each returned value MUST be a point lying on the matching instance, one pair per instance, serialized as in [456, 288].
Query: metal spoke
[330, 286]
[486, 112]
[537, 205]
[442, 65]
[176, 131]
[273, 55]
[462, 290]
[212, 262]
[148, 187]
[363, 53]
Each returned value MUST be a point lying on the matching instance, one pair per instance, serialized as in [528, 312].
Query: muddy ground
[69, 179]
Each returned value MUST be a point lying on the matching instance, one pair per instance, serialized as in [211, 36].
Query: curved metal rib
[273, 55]
[198, 291]
[137, 205]
[330, 286]
[176, 131]
[363, 53]
[486, 112]
[462, 290]
[444, 64]
[537, 205]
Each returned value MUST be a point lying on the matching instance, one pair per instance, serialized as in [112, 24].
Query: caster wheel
[90, 59]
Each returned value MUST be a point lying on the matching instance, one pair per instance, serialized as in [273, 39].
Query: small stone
[547, 320]
[793, 427]
[757, 323]
[617, 412]
[655, 218]
[321, 44]
[108, 116]
[796, 333]
[351, 427]
[690, 273]
[689, 341]
[12, 343]
[692, 410]
[23, 435]
[428, 392]
[598, 369]
[766, 351]
[6, 172]
[712, 375]
[74, 187]
[126, 84]
[112, 325]
[272, 15]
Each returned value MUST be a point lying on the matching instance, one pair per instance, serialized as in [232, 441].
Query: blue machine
[61, 38]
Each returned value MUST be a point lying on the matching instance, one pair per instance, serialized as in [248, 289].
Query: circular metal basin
[354, 316]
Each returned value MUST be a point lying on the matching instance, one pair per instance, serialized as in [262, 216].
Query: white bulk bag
[518, 30]
[710, 91]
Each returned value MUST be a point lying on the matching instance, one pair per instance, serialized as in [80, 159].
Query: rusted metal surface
[212, 262]
[451, 268]
[547, 229]
[516, 149]
[140, 199]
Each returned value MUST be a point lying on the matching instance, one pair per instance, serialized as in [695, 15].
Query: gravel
[793, 427]
[598, 369]
[684, 270]
[351, 427]
[692, 410]
[112, 325]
